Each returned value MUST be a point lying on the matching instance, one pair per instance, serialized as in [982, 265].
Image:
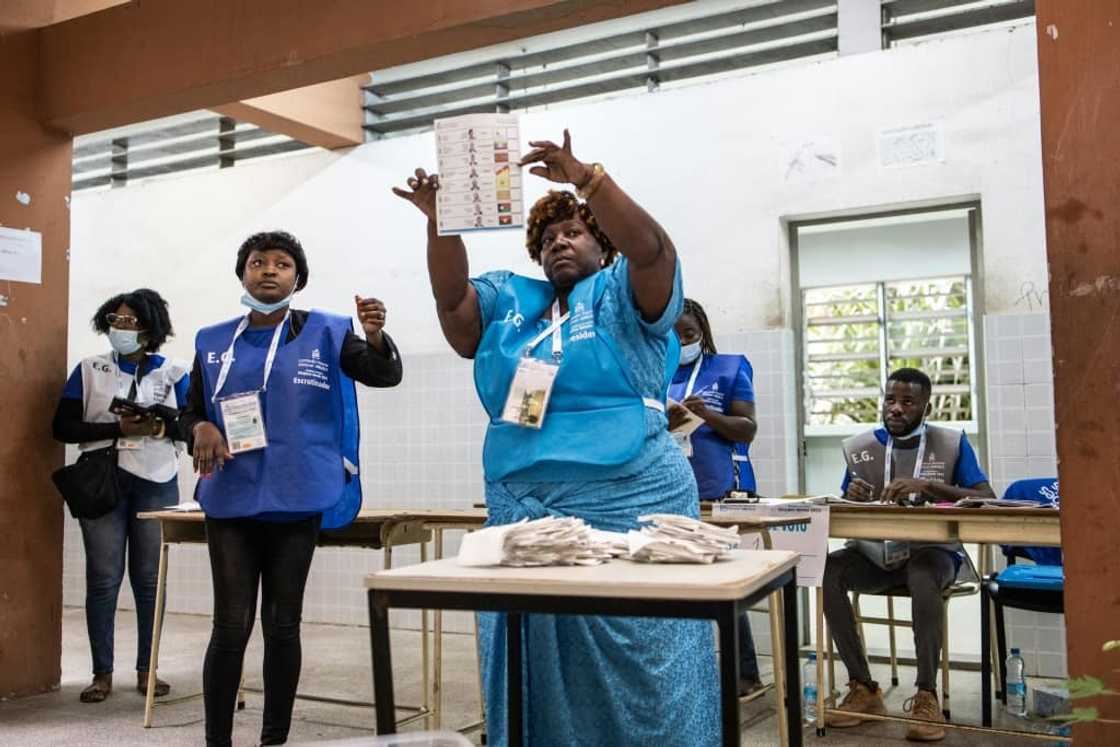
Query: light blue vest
[311, 420]
[596, 417]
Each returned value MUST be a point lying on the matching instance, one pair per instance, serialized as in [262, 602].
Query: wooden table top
[734, 577]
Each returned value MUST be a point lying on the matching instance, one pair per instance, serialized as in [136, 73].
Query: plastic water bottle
[1016, 685]
[809, 688]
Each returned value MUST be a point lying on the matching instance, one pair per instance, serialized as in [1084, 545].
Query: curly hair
[280, 240]
[696, 311]
[559, 206]
[150, 309]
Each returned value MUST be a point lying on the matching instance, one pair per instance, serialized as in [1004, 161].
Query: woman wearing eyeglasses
[137, 324]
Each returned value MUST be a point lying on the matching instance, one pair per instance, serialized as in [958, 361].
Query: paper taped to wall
[21, 256]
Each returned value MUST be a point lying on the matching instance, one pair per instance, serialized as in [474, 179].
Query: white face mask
[124, 341]
[690, 353]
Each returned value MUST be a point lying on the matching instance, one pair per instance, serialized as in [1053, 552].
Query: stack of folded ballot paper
[679, 539]
[548, 541]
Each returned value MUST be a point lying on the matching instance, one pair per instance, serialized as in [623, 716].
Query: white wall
[711, 162]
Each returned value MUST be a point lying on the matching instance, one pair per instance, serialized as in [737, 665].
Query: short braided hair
[558, 206]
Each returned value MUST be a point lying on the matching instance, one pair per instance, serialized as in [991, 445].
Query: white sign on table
[810, 541]
[21, 255]
[479, 176]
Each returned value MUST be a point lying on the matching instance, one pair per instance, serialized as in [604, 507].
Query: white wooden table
[720, 591]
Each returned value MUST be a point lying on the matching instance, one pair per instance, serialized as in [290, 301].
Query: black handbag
[89, 486]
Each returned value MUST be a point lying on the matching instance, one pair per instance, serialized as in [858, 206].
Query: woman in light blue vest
[273, 422]
[599, 328]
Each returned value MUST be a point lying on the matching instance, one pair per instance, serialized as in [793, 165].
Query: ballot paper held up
[479, 176]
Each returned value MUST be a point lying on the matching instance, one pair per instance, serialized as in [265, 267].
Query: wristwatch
[588, 188]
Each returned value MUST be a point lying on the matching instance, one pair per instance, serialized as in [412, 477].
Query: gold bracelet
[592, 184]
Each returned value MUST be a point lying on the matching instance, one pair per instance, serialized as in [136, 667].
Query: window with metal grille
[855, 335]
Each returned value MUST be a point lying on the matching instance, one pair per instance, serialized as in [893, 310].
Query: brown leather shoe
[860, 699]
[924, 705]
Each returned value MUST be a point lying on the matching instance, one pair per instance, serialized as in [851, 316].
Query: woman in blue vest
[599, 328]
[719, 389]
[273, 421]
[137, 324]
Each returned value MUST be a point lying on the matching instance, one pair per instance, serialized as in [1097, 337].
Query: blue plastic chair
[1036, 587]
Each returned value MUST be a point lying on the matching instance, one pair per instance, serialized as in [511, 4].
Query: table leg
[514, 697]
[157, 628]
[382, 665]
[777, 654]
[437, 654]
[820, 662]
[985, 656]
[729, 672]
[425, 652]
[793, 675]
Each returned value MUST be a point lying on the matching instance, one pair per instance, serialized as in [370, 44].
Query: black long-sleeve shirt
[359, 360]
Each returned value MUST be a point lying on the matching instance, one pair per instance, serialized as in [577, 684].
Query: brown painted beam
[34, 193]
[1079, 77]
[161, 57]
[328, 115]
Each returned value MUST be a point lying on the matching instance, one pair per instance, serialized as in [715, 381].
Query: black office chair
[1036, 588]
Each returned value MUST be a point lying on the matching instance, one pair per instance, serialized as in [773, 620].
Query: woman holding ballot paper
[719, 390]
[274, 432]
[572, 371]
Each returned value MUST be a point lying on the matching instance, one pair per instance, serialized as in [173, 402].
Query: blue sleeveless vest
[311, 420]
[715, 460]
[596, 416]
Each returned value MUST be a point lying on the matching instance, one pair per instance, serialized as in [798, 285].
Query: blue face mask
[690, 352]
[255, 304]
[124, 341]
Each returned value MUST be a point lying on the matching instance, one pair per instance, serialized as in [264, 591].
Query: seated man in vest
[904, 461]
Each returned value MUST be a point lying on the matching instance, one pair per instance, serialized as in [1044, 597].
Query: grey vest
[865, 457]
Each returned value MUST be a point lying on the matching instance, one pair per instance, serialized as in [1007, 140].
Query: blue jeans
[105, 539]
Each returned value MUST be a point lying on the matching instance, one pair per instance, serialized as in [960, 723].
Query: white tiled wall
[1021, 445]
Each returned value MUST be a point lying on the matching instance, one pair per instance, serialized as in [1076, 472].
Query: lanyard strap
[921, 455]
[692, 377]
[227, 357]
[554, 330]
[134, 388]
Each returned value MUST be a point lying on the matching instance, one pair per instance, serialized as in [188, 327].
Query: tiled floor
[335, 663]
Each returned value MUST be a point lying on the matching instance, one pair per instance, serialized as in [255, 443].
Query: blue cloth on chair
[610, 681]
[1035, 577]
[1043, 491]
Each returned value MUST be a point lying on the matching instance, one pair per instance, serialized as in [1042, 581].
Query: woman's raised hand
[421, 192]
[559, 163]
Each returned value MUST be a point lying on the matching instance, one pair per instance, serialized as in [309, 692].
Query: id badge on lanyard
[130, 443]
[531, 388]
[243, 414]
[684, 440]
[919, 458]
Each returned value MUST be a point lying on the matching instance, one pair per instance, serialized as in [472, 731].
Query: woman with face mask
[272, 421]
[137, 324]
[571, 369]
[719, 389]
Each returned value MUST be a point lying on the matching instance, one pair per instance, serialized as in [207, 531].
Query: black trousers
[243, 554]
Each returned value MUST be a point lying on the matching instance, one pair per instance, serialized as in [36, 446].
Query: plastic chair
[1037, 588]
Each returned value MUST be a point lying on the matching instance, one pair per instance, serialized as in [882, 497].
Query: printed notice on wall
[479, 179]
[21, 255]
